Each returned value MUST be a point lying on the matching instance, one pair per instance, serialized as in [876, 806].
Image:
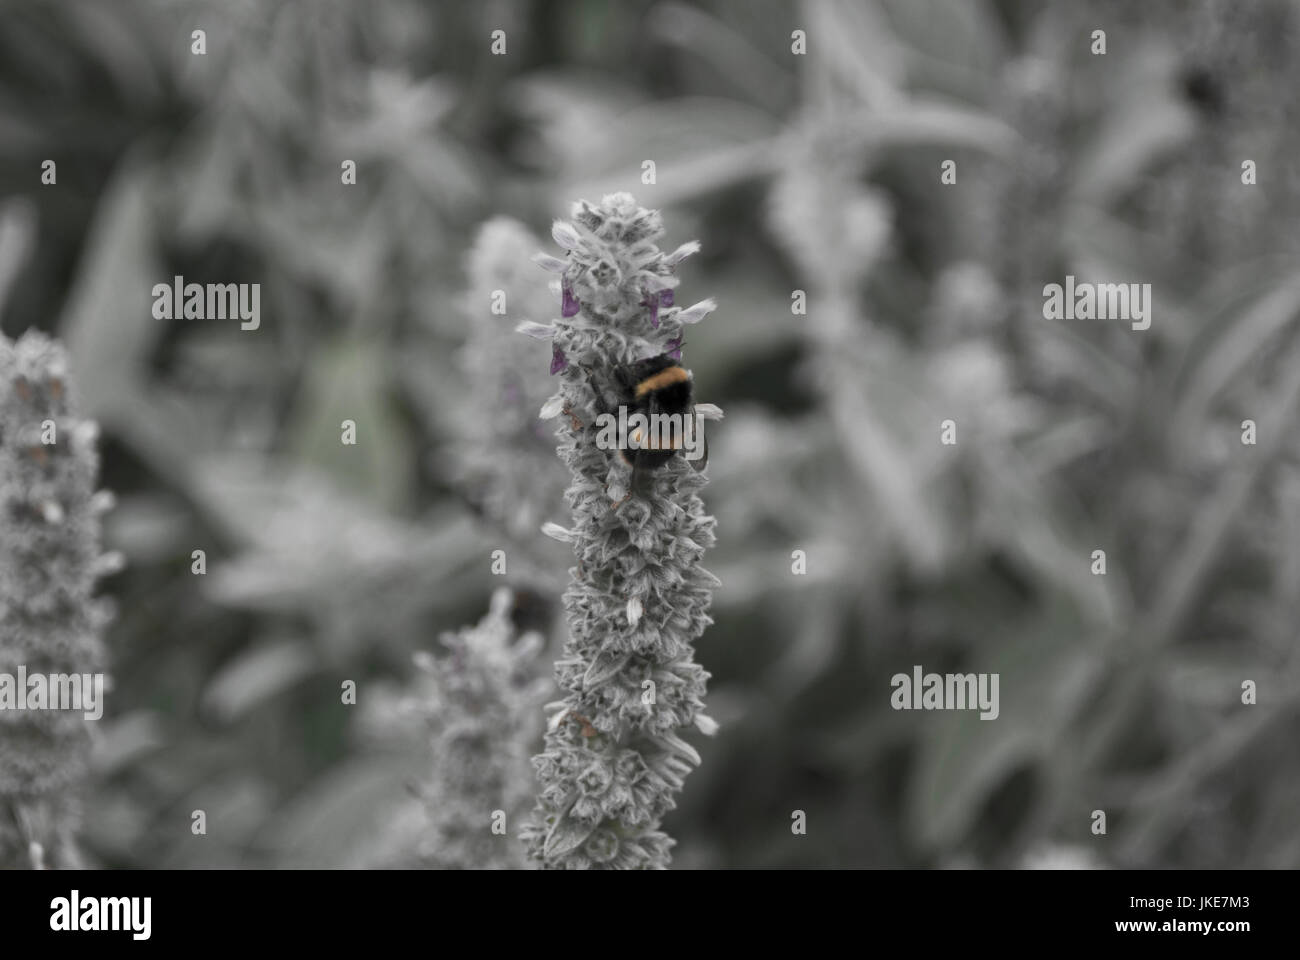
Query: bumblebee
[656, 386]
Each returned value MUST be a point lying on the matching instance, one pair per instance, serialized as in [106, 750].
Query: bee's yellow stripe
[664, 378]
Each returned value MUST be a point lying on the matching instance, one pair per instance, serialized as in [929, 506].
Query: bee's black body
[656, 385]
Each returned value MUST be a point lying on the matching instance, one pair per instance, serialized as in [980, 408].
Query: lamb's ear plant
[638, 597]
[503, 456]
[50, 620]
[476, 704]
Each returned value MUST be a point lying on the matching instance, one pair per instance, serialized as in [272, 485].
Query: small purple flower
[665, 298]
[652, 302]
[558, 360]
[674, 348]
[569, 305]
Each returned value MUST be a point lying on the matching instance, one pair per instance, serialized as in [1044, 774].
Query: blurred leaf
[17, 231]
[1023, 515]
[955, 45]
[294, 561]
[963, 758]
[1147, 125]
[125, 739]
[349, 380]
[112, 40]
[111, 333]
[1233, 340]
[255, 676]
[728, 51]
[922, 121]
[236, 806]
[108, 323]
[698, 145]
[851, 40]
[330, 822]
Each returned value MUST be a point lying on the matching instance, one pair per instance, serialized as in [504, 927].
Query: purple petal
[665, 298]
[654, 311]
[674, 348]
[569, 305]
[558, 360]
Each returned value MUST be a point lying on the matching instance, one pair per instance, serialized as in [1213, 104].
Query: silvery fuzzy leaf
[565, 234]
[566, 835]
[696, 312]
[706, 724]
[552, 408]
[709, 578]
[550, 263]
[557, 532]
[538, 331]
[682, 252]
[109, 563]
[557, 718]
[677, 745]
[606, 665]
[655, 283]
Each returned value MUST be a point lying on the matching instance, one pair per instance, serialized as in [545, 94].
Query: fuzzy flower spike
[51, 623]
[638, 599]
[479, 704]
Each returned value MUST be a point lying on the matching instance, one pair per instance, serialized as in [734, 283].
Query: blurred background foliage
[817, 173]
